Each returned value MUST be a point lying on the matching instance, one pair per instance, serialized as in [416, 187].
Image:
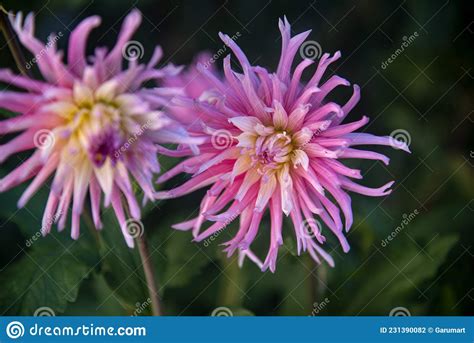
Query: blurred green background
[427, 90]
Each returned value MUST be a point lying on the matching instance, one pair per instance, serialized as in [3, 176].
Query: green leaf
[398, 272]
[47, 276]
[185, 260]
[121, 265]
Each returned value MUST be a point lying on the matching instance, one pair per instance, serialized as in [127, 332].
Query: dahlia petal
[117, 206]
[373, 192]
[38, 181]
[352, 101]
[369, 155]
[330, 85]
[23, 172]
[286, 186]
[123, 182]
[245, 220]
[246, 140]
[252, 231]
[251, 256]
[77, 43]
[257, 105]
[342, 199]
[235, 209]
[303, 193]
[298, 226]
[311, 223]
[368, 139]
[280, 117]
[324, 62]
[226, 218]
[267, 187]
[242, 164]
[19, 102]
[231, 153]
[81, 181]
[340, 130]
[250, 179]
[184, 226]
[208, 201]
[202, 180]
[244, 62]
[302, 137]
[94, 190]
[295, 81]
[64, 202]
[319, 250]
[342, 169]
[20, 143]
[246, 124]
[114, 58]
[276, 239]
[188, 165]
[105, 177]
[227, 196]
[316, 150]
[23, 82]
[327, 111]
[48, 214]
[299, 157]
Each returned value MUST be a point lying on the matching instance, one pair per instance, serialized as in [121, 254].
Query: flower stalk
[12, 42]
[147, 265]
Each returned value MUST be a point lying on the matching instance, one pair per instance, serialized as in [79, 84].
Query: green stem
[315, 281]
[13, 43]
[149, 275]
[230, 294]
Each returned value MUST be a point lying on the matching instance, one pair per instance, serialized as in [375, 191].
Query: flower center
[271, 152]
[96, 121]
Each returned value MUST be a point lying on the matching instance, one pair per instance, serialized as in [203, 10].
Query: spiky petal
[273, 143]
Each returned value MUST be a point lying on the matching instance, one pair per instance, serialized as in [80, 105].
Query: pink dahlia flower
[92, 125]
[273, 142]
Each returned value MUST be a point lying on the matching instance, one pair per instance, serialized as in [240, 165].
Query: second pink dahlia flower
[91, 124]
[272, 143]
